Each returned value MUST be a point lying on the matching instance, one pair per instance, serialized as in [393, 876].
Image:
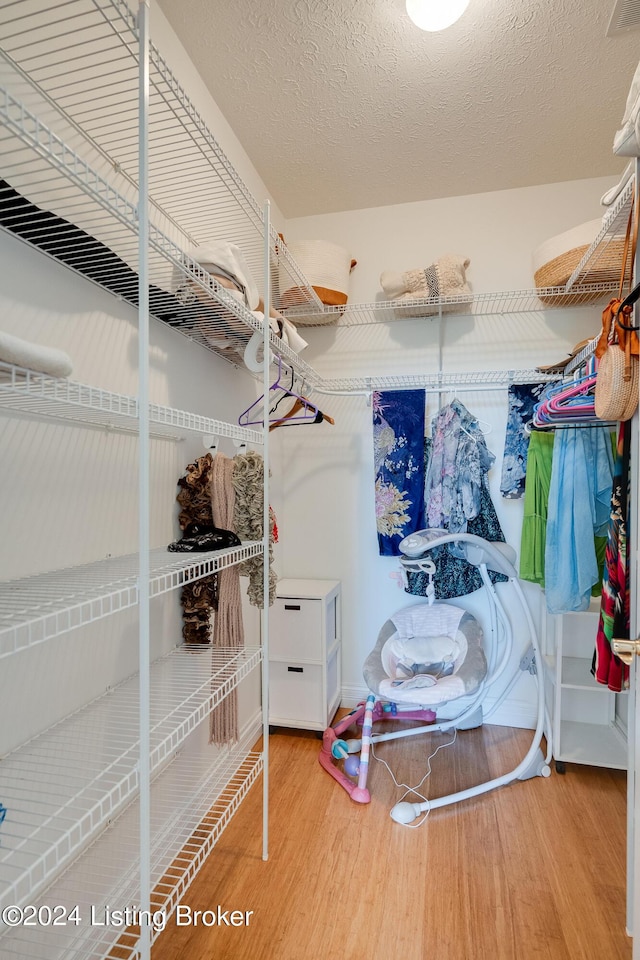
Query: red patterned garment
[607, 668]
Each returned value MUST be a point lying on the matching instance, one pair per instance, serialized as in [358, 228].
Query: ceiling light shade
[435, 15]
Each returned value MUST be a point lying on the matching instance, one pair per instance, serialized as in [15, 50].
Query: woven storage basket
[615, 397]
[555, 260]
[327, 267]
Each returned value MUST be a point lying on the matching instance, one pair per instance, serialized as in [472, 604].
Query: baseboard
[511, 713]
[252, 729]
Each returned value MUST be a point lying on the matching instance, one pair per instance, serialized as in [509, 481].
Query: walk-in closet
[245, 306]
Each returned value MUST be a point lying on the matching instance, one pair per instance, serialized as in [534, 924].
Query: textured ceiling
[344, 104]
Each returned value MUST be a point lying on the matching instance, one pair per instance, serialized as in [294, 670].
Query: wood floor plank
[531, 871]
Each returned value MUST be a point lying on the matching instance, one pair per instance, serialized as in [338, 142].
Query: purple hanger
[308, 412]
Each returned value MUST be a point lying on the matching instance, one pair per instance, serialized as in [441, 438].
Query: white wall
[328, 521]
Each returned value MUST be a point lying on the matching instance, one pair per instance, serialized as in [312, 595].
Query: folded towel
[33, 356]
[614, 192]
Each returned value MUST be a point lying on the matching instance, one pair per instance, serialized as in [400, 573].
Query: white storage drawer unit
[304, 654]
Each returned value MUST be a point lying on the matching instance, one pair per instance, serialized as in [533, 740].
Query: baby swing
[433, 654]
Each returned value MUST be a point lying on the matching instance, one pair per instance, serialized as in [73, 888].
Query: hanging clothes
[398, 450]
[536, 500]
[578, 510]
[457, 499]
[521, 399]
[614, 621]
[459, 460]
[454, 577]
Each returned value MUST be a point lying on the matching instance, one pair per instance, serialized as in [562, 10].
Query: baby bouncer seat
[435, 655]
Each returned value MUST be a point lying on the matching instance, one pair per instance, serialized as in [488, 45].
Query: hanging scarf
[228, 630]
[398, 438]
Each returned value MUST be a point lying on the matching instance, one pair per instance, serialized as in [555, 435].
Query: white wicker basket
[326, 266]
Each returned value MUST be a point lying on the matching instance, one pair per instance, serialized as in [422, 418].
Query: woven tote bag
[616, 393]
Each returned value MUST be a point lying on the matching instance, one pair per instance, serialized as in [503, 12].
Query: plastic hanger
[305, 412]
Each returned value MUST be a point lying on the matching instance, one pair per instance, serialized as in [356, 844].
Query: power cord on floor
[414, 790]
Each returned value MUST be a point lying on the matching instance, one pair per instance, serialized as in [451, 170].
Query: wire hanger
[303, 411]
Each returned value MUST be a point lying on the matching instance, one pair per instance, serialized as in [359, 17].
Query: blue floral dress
[398, 448]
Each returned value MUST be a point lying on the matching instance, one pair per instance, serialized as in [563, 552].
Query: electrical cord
[414, 790]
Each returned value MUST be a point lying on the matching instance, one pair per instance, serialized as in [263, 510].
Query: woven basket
[556, 259]
[615, 397]
[327, 267]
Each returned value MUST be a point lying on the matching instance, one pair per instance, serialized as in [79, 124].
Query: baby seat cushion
[427, 654]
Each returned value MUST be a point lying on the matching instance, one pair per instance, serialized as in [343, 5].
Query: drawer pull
[295, 669]
[292, 606]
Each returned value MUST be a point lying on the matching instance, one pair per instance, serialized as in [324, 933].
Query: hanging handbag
[617, 381]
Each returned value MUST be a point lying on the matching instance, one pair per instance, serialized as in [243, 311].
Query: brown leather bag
[617, 328]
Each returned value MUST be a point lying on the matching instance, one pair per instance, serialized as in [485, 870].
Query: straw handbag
[618, 378]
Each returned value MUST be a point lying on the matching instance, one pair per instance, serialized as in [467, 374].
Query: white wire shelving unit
[38, 608]
[69, 140]
[192, 803]
[66, 785]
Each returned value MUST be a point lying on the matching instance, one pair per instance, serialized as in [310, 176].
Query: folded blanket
[33, 356]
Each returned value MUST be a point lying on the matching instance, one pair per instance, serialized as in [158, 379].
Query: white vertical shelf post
[266, 530]
[143, 483]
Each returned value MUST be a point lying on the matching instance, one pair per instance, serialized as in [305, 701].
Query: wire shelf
[435, 382]
[614, 227]
[431, 308]
[62, 787]
[71, 212]
[41, 395]
[192, 801]
[39, 608]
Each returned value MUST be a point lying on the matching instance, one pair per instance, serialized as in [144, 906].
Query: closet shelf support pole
[144, 544]
[266, 531]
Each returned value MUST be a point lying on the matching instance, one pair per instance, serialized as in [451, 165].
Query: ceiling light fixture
[434, 15]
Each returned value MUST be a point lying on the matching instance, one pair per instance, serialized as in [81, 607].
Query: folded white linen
[626, 142]
[614, 192]
[230, 258]
[33, 356]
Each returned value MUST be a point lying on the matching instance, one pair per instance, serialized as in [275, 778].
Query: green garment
[536, 499]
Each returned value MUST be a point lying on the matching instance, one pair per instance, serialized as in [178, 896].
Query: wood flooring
[531, 871]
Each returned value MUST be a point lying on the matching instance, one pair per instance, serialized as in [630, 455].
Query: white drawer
[295, 629]
[295, 694]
